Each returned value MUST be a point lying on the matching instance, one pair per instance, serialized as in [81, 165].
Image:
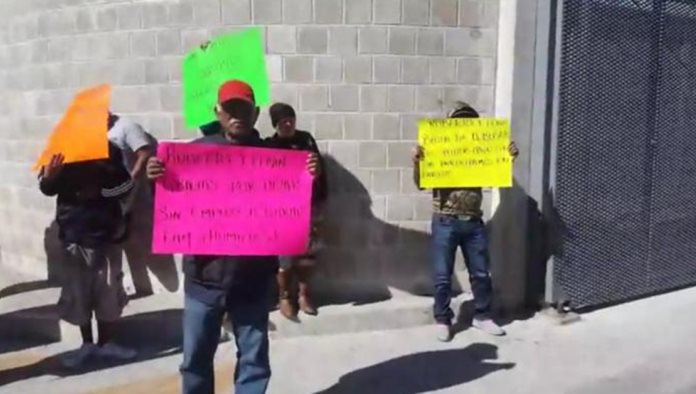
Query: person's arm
[116, 181]
[138, 142]
[141, 156]
[514, 151]
[321, 180]
[154, 168]
[417, 157]
[315, 163]
[416, 174]
[50, 179]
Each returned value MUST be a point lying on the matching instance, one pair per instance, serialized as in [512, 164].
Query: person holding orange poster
[90, 223]
[86, 175]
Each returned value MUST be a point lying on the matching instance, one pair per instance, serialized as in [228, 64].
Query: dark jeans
[202, 324]
[450, 233]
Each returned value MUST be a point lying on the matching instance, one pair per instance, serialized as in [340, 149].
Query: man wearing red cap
[237, 285]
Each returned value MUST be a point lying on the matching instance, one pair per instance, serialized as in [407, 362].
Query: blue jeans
[448, 234]
[202, 324]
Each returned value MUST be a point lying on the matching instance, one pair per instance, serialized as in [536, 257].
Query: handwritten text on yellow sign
[465, 153]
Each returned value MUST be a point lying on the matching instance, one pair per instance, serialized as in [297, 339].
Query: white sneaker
[444, 332]
[487, 325]
[77, 357]
[112, 350]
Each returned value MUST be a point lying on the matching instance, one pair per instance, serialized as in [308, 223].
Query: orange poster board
[81, 134]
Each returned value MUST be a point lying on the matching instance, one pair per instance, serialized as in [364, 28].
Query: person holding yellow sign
[457, 223]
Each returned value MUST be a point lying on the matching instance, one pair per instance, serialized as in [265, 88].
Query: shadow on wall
[524, 236]
[422, 372]
[364, 255]
[547, 241]
[52, 249]
[138, 248]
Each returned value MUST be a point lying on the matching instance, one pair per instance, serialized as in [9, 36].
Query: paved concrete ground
[645, 347]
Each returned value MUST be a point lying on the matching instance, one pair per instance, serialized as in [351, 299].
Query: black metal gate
[626, 153]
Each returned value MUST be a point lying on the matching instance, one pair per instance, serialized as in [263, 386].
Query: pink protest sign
[227, 200]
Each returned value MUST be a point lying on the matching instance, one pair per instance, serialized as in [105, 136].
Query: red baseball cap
[236, 90]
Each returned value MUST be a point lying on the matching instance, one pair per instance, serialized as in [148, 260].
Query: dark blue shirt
[88, 208]
[214, 279]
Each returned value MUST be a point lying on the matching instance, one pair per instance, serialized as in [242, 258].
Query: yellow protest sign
[465, 153]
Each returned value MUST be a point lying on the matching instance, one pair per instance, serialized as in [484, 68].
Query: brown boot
[287, 309]
[306, 305]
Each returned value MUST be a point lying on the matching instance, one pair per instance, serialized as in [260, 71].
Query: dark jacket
[211, 128]
[212, 279]
[88, 208]
[303, 140]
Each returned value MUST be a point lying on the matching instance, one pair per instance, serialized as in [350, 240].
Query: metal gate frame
[539, 118]
[544, 122]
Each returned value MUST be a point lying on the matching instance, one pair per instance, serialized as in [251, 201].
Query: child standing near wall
[283, 120]
[90, 223]
[137, 146]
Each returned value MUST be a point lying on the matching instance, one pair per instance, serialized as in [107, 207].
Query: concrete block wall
[360, 73]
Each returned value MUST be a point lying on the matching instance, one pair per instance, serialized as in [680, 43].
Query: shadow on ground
[422, 372]
[465, 317]
[137, 250]
[29, 328]
[144, 332]
[24, 287]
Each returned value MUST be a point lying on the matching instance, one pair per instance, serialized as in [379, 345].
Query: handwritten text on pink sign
[226, 200]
